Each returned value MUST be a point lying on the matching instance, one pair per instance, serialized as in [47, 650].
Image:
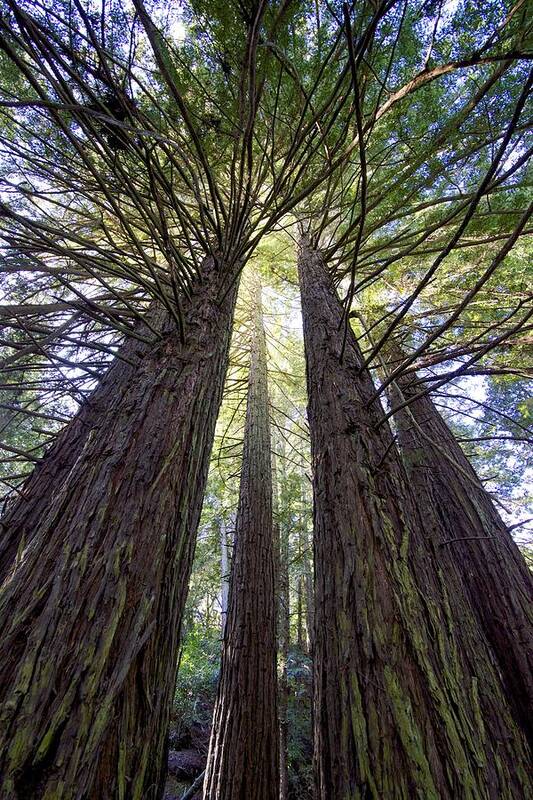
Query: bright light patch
[178, 30]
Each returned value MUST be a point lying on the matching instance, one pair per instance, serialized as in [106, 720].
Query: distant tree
[243, 756]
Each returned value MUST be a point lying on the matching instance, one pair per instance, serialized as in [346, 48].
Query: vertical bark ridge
[243, 761]
[224, 574]
[38, 493]
[91, 617]
[281, 539]
[467, 526]
[407, 697]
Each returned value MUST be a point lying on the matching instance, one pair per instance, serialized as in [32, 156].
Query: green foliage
[300, 743]
[196, 685]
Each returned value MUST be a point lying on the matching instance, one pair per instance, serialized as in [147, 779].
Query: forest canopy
[265, 399]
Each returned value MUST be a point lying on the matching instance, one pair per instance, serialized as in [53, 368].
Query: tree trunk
[284, 624]
[408, 701]
[467, 525]
[309, 606]
[37, 496]
[283, 618]
[301, 639]
[243, 759]
[224, 575]
[306, 566]
[91, 617]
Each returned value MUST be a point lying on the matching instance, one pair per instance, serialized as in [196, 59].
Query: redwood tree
[466, 524]
[37, 495]
[408, 701]
[106, 575]
[243, 759]
[283, 623]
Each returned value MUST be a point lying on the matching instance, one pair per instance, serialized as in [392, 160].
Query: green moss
[359, 733]
[450, 702]
[55, 792]
[121, 768]
[138, 790]
[410, 737]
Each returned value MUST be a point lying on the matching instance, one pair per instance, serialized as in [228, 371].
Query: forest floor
[187, 758]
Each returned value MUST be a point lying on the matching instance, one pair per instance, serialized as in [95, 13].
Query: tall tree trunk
[309, 606]
[306, 565]
[283, 618]
[224, 575]
[467, 525]
[22, 517]
[284, 641]
[91, 617]
[301, 639]
[408, 701]
[243, 759]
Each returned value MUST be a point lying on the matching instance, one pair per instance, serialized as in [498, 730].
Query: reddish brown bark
[37, 496]
[467, 525]
[281, 538]
[224, 574]
[243, 760]
[284, 636]
[408, 702]
[91, 617]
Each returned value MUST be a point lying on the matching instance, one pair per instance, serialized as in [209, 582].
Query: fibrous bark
[243, 759]
[307, 566]
[408, 702]
[22, 517]
[281, 538]
[224, 575]
[91, 616]
[467, 525]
